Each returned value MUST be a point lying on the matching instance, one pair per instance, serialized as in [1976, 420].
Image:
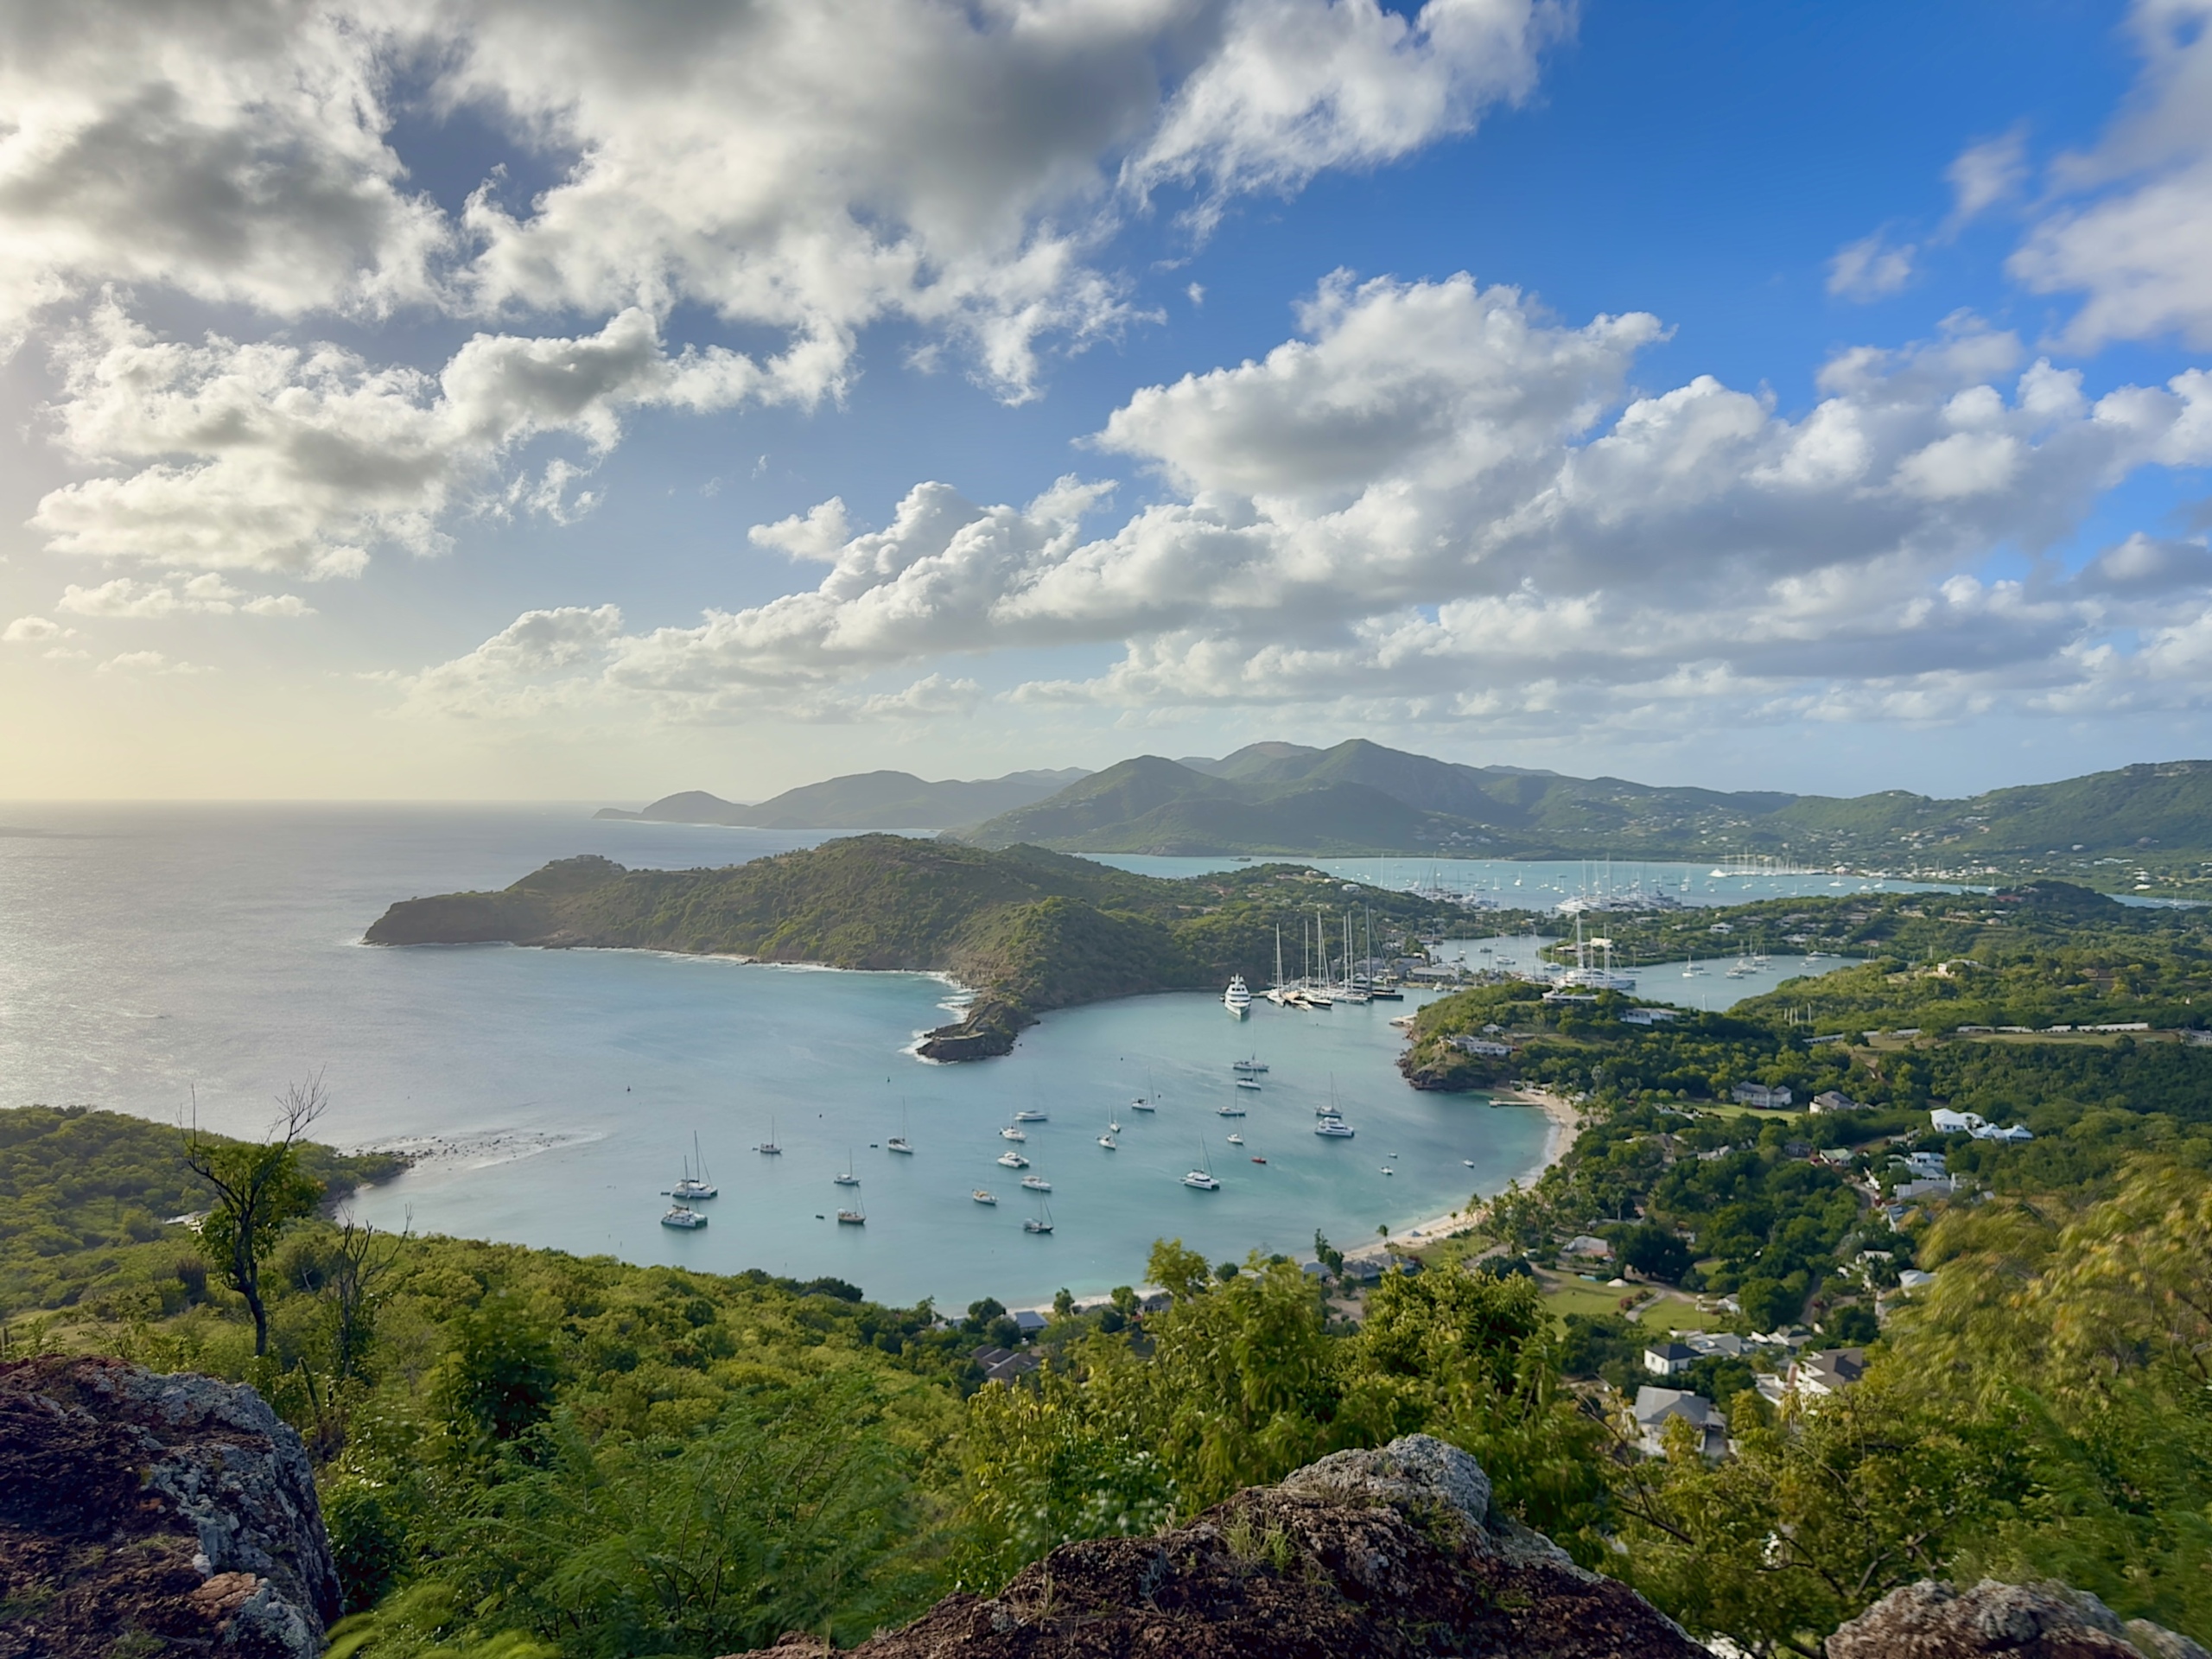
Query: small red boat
[1259, 1160]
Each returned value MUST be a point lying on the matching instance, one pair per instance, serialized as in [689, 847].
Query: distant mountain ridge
[1360, 797]
[864, 800]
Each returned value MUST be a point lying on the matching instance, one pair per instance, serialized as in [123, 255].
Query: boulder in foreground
[1930, 1620]
[1380, 1553]
[146, 1514]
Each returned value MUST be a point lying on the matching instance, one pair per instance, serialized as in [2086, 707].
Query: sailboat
[1347, 991]
[1378, 991]
[695, 1186]
[1039, 1222]
[855, 1217]
[769, 1146]
[1107, 1140]
[1331, 1124]
[1144, 1103]
[681, 1215]
[1278, 993]
[898, 1142]
[1202, 1177]
[848, 1179]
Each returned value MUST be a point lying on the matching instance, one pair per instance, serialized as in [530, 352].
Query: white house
[1760, 1094]
[1942, 1186]
[1834, 1100]
[1830, 1371]
[1726, 1343]
[1944, 1121]
[1926, 1165]
[1654, 1406]
[1583, 1244]
[1670, 1358]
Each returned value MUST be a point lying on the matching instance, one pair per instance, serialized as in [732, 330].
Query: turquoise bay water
[151, 954]
[151, 957]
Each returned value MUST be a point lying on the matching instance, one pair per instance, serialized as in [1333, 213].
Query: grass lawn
[1577, 1296]
[1729, 1109]
[1674, 1312]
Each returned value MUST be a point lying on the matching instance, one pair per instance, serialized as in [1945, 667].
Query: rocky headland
[1026, 931]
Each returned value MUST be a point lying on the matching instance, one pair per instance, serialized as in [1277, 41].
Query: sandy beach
[1566, 1123]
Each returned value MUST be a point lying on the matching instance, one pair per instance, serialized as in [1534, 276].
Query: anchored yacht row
[1245, 1077]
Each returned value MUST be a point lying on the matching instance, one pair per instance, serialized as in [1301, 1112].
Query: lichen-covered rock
[1929, 1620]
[1385, 1554]
[159, 1513]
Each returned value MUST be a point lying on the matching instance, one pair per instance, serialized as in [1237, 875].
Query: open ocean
[152, 956]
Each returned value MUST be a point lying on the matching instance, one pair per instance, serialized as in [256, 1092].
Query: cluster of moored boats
[1328, 980]
[1245, 1080]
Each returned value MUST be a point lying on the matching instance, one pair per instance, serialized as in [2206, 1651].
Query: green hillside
[1360, 797]
[1027, 929]
[865, 800]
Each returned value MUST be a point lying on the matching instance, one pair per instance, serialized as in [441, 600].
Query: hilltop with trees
[1025, 929]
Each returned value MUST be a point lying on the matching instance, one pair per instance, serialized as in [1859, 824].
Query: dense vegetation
[86, 1203]
[1360, 797]
[1027, 929]
[540, 1455]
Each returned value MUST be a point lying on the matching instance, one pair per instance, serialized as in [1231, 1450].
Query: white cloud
[809, 168]
[805, 165]
[206, 595]
[520, 670]
[300, 459]
[2130, 229]
[149, 661]
[1871, 268]
[1987, 174]
[33, 630]
[231, 148]
[815, 164]
[1437, 504]
[1295, 88]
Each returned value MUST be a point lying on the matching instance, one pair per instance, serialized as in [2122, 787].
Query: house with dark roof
[1829, 1371]
[1004, 1365]
[1655, 1407]
[1670, 1358]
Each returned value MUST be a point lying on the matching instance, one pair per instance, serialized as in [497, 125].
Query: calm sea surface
[149, 955]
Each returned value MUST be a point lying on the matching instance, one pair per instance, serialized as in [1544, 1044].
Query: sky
[586, 401]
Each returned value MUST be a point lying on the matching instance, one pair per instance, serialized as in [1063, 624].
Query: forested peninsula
[1026, 930]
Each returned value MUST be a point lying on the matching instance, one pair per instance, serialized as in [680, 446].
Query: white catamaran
[695, 1186]
[1202, 1177]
